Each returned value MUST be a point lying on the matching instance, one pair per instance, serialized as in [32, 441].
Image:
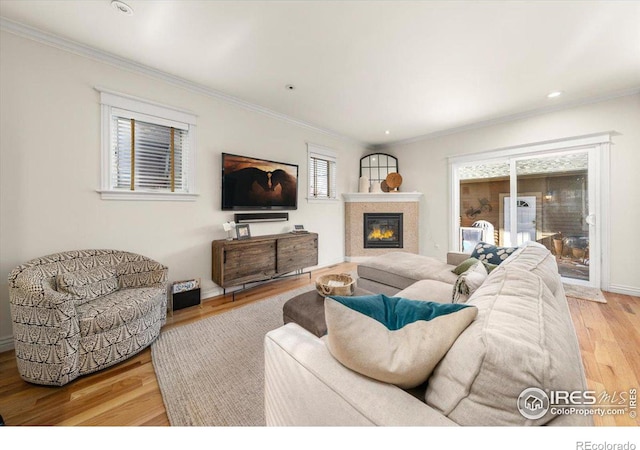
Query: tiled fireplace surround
[356, 204]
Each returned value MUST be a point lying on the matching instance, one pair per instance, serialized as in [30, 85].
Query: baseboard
[625, 290]
[356, 259]
[210, 293]
[217, 291]
[329, 264]
[6, 343]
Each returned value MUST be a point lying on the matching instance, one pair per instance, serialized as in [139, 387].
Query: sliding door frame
[598, 147]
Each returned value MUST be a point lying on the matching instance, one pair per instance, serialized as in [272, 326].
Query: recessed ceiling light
[554, 94]
[122, 7]
[289, 87]
[387, 132]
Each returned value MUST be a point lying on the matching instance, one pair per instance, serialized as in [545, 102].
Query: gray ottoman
[307, 310]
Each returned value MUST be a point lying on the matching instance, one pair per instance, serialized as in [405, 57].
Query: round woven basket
[335, 284]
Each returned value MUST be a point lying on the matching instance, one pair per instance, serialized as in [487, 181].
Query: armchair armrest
[46, 332]
[38, 293]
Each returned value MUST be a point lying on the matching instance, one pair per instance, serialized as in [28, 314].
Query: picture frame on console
[243, 231]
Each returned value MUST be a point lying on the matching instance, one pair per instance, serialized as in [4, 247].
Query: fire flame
[377, 233]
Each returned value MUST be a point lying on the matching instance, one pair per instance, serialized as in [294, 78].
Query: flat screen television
[252, 184]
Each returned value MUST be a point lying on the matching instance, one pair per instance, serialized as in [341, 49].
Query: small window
[322, 173]
[148, 150]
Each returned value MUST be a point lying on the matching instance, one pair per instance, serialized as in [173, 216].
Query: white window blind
[322, 173]
[159, 155]
[148, 150]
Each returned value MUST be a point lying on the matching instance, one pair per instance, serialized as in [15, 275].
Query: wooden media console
[261, 258]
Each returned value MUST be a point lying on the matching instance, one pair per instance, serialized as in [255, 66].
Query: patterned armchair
[78, 312]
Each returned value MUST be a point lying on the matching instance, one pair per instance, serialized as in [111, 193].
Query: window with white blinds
[322, 173]
[148, 150]
[148, 156]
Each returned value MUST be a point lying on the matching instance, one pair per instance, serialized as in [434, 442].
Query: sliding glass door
[547, 196]
[553, 208]
[481, 185]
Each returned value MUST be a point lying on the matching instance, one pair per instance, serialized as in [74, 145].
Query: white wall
[50, 169]
[423, 165]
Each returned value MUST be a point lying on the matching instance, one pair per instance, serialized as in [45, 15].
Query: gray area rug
[584, 293]
[211, 372]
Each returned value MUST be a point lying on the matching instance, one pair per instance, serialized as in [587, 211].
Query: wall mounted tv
[256, 184]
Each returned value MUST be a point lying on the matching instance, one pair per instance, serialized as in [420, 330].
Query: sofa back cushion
[138, 271]
[88, 284]
[31, 276]
[537, 259]
[523, 337]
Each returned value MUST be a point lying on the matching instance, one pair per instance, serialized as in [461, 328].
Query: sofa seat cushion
[523, 337]
[118, 309]
[401, 269]
[88, 284]
[392, 339]
[428, 291]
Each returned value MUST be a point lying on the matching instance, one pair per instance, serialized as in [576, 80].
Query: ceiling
[360, 68]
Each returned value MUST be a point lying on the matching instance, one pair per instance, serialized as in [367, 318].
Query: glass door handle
[590, 219]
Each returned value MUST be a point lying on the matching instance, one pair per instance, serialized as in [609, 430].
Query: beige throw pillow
[393, 339]
[469, 282]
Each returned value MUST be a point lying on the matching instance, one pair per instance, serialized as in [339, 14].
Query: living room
[57, 66]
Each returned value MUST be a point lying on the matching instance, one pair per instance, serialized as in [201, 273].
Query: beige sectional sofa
[523, 337]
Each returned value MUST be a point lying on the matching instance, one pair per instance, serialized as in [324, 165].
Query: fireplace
[382, 230]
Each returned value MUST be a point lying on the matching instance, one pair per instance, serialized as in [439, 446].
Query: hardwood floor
[128, 393]
[609, 338]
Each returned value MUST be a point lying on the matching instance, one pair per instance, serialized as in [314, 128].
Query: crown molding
[117, 61]
[128, 64]
[511, 117]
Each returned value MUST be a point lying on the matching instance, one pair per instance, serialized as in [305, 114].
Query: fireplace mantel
[383, 197]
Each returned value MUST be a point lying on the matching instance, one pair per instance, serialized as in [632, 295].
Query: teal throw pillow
[492, 254]
[393, 339]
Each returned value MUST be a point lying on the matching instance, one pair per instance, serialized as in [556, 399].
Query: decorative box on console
[185, 293]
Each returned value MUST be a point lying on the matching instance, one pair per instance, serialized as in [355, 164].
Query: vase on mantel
[363, 187]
